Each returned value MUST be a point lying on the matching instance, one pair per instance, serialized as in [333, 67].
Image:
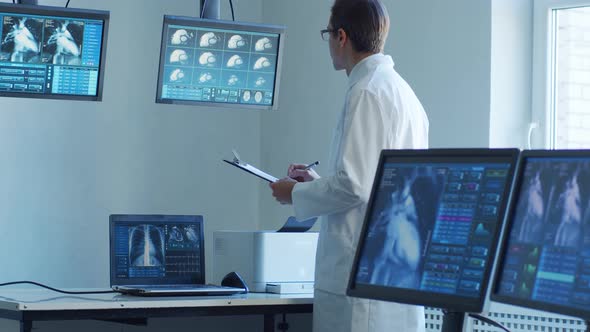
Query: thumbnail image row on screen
[219, 78]
[215, 40]
[219, 59]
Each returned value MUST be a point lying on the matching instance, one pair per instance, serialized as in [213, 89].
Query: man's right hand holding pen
[282, 190]
[302, 172]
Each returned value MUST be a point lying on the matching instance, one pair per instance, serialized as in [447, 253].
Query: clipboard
[249, 168]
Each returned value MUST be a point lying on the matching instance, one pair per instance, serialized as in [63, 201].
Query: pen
[311, 165]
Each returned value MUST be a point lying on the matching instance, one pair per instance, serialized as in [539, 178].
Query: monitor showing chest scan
[52, 52]
[220, 63]
[545, 258]
[431, 228]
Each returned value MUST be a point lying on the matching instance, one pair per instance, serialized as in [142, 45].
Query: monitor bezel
[66, 13]
[133, 219]
[220, 24]
[427, 298]
[527, 303]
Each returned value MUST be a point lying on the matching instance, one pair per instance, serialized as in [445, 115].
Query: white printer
[268, 261]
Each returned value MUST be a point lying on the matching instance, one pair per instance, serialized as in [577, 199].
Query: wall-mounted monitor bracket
[211, 9]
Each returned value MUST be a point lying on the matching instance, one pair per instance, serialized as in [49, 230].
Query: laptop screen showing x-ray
[432, 226]
[157, 249]
[545, 261]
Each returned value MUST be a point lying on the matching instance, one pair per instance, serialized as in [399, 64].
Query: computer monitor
[544, 262]
[220, 63]
[431, 227]
[52, 52]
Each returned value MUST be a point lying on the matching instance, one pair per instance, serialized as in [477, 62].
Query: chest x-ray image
[404, 209]
[21, 39]
[63, 42]
[146, 246]
[553, 205]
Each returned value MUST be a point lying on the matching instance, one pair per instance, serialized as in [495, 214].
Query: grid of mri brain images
[223, 66]
[54, 55]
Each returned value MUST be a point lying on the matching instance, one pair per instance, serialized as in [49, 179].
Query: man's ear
[342, 37]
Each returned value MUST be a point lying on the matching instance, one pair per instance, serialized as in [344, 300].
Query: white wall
[512, 46]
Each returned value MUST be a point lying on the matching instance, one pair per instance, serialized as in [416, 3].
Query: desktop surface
[41, 299]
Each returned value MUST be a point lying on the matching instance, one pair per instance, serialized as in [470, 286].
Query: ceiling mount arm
[211, 9]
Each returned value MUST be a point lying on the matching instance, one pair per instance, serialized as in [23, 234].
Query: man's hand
[282, 189]
[299, 173]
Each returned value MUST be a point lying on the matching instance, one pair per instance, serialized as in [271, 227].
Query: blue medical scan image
[402, 216]
[63, 42]
[21, 39]
[147, 246]
[552, 206]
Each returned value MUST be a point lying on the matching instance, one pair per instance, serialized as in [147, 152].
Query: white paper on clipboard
[250, 169]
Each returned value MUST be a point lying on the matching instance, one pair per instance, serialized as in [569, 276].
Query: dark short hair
[366, 23]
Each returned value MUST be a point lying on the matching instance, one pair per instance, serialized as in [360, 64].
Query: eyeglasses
[325, 33]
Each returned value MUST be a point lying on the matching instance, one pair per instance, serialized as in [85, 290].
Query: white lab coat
[380, 112]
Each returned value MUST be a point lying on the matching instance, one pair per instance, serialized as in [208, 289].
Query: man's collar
[367, 64]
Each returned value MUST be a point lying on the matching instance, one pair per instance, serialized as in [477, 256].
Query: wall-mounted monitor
[545, 258]
[52, 52]
[220, 63]
[432, 225]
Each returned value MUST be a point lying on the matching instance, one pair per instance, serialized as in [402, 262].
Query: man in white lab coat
[380, 112]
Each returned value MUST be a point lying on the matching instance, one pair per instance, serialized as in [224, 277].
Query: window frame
[543, 78]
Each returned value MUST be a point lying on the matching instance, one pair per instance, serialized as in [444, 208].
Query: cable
[203, 9]
[67, 3]
[231, 6]
[53, 289]
[489, 321]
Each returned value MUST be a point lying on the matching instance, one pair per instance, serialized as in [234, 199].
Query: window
[561, 74]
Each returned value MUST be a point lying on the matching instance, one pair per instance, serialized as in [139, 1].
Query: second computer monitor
[220, 63]
[545, 259]
[431, 227]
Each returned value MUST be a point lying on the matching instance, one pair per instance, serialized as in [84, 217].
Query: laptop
[160, 255]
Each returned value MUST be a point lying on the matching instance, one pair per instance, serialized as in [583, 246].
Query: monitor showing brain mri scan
[219, 63]
[49, 52]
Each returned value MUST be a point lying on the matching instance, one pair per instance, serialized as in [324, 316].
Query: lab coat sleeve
[365, 133]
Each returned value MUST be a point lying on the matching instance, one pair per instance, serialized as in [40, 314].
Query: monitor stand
[453, 321]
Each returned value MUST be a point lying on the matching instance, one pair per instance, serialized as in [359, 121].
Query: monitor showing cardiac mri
[432, 226]
[219, 63]
[545, 261]
[52, 52]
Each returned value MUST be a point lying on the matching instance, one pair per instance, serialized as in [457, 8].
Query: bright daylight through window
[571, 78]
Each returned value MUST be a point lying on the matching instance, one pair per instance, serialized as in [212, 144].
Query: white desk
[28, 306]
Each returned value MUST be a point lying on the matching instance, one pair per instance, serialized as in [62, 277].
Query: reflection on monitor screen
[49, 52]
[546, 260]
[219, 63]
[431, 228]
